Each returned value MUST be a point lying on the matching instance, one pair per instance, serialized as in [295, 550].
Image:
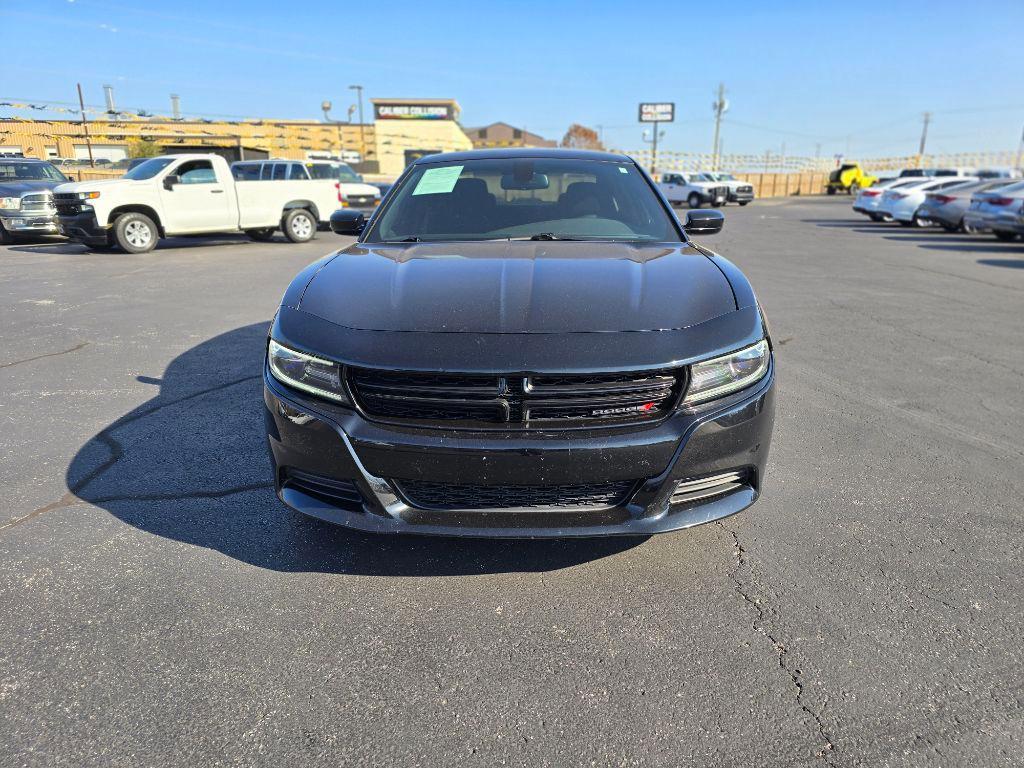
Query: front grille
[523, 402]
[67, 203]
[447, 496]
[340, 493]
[359, 199]
[37, 202]
[744, 189]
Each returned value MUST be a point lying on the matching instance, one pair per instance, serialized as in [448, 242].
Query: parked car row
[955, 203]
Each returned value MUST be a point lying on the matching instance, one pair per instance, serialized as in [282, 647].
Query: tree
[143, 148]
[580, 137]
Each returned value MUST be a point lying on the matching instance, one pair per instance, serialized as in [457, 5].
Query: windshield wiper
[413, 239]
[545, 236]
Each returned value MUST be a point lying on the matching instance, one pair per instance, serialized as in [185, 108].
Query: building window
[482, 133]
[516, 133]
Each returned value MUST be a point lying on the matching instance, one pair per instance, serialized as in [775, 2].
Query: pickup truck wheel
[6, 238]
[135, 233]
[1003, 235]
[693, 200]
[743, 202]
[261, 235]
[830, 191]
[299, 225]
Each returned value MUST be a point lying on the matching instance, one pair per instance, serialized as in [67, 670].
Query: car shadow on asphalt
[191, 465]
[58, 246]
[1008, 263]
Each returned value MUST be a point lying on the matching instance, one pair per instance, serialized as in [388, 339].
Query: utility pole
[720, 106]
[362, 128]
[654, 146]
[1020, 150]
[85, 127]
[924, 137]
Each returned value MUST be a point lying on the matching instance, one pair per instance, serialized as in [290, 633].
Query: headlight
[729, 373]
[88, 195]
[10, 203]
[305, 372]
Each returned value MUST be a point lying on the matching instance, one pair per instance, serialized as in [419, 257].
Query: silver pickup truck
[26, 198]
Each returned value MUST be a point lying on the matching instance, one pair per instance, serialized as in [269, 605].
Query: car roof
[522, 152]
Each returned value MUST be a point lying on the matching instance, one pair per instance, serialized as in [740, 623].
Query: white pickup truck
[694, 189]
[188, 195]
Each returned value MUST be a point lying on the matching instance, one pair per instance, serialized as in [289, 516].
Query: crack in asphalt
[827, 750]
[105, 436]
[48, 354]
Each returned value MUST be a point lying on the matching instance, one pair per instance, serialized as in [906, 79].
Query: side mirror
[703, 222]
[347, 222]
[170, 180]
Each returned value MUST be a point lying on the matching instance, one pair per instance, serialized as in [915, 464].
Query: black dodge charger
[521, 343]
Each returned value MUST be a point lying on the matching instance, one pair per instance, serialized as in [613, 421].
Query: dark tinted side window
[297, 172]
[246, 171]
[280, 171]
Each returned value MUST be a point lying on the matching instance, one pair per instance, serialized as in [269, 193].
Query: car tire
[876, 217]
[135, 233]
[261, 235]
[743, 202]
[1004, 236]
[299, 225]
[694, 200]
[6, 238]
[854, 189]
[830, 190]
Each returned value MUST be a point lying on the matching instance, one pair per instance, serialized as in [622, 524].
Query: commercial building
[402, 130]
[505, 135]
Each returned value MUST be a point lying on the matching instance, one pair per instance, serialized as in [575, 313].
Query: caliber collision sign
[657, 112]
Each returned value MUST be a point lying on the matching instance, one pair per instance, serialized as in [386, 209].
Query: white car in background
[344, 187]
[901, 203]
[870, 198]
[740, 191]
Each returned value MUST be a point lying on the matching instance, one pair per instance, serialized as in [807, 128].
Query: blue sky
[852, 77]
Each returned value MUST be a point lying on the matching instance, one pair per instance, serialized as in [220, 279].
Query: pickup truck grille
[744, 189]
[361, 201]
[515, 401]
[67, 203]
[37, 202]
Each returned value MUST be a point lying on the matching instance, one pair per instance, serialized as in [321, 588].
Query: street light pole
[85, 127]
[362, 128]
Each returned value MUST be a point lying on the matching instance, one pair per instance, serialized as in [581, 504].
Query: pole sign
[657, 112]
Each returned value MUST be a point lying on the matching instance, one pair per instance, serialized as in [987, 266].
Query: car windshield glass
[491, 199]
[726, 177]
[14, 171]
[332, 171]
[148, 169]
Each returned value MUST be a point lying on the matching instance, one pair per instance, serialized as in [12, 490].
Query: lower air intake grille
[341, 493]
[427, 495]
[706, 487]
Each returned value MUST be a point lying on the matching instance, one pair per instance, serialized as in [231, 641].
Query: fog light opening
[687, 491]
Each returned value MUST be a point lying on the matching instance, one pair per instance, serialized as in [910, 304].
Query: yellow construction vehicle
[849, 178]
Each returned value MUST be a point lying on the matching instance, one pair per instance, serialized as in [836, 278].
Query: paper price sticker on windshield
[438, 181]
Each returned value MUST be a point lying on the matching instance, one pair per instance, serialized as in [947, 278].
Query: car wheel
[261, 235]
[830, 190]
[876, 217]
[693, 200]
[1004, 236]
[299, 225]
[135, 233]
[6, 238]
[744, 202]
[854, 189]
[916, 222]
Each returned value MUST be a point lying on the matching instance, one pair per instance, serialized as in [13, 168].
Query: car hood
[518, 287]
[18, 188]
[358, 188]
[89, 186]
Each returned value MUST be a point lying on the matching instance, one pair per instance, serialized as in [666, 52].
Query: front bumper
[18, 223]
[337, 443]
[83, 228]
[735, 196]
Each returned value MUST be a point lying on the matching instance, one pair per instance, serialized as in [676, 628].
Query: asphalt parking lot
[158, 606]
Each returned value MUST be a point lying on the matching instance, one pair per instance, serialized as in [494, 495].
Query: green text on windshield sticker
[438, 181]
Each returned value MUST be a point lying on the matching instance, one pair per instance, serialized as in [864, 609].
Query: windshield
[726, 177]
[148, 169]
[525, 198]
[15, 171]
[332, 171]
